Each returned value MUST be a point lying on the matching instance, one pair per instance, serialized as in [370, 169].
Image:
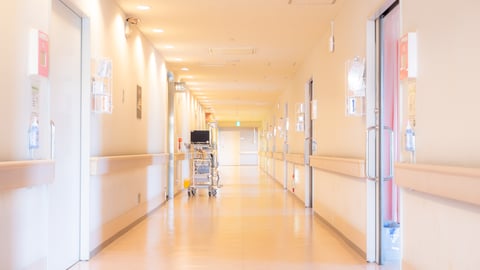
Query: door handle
[52, 140]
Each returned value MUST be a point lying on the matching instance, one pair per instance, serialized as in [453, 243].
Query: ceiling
[240, 54]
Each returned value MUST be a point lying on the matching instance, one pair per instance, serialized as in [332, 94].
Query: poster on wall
[139, 102]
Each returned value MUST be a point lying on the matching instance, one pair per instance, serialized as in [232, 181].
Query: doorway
[383, 237]
[66, 108]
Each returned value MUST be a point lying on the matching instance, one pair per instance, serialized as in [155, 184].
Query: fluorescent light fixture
[157, 30]
[169, 46]
[143, 7]
[185, 69]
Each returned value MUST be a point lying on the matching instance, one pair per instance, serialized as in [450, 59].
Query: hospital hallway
[252, 223]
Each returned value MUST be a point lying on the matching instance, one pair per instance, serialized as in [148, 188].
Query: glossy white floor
[251, 224]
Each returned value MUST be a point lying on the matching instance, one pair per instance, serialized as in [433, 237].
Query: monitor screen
[200, 136]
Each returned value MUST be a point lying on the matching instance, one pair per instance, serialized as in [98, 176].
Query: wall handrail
[295, 158]
[455, 183]
[346, 166]
[26, 173]
[111, 164]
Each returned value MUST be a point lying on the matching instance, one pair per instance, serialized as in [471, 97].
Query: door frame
[85, 140]
[308, 132]
[373, 116]
[85, 87]
[85, 110]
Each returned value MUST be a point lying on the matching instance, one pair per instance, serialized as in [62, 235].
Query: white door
[229, 148]
[65, 97]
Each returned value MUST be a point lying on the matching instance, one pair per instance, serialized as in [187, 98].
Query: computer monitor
[200, 136]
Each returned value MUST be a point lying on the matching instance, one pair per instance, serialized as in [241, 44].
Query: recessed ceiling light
[143, 7]
[178, 59]
[169, 46]
[185, 69]
[158, 30]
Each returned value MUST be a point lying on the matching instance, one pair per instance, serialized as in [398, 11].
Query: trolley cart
[204, 171]
[202, 177]
[204, 161]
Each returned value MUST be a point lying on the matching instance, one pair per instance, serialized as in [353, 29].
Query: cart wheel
[209, 194]
[214, 193]
[188, 192]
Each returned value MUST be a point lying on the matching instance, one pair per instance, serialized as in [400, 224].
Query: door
[65, 102]
[382, 152]
[229, 148]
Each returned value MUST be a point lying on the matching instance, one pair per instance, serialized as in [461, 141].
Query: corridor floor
[251, 224]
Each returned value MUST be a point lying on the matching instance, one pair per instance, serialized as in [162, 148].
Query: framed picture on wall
[139, 102]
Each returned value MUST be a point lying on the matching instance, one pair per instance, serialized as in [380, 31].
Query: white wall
[438, 233]
[23, 212]
[342, 202]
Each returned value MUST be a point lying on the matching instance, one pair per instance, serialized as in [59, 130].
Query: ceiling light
[158, 30]
[178, 59]
[169, 46]
[143, 7]
[185, 69]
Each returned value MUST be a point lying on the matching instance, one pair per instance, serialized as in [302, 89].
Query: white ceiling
[241, 54]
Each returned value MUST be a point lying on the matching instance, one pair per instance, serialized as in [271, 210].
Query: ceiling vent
[232, 51]
[311, 2]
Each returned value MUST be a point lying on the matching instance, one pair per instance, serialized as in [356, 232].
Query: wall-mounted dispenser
[102, 85]
[355, 87]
